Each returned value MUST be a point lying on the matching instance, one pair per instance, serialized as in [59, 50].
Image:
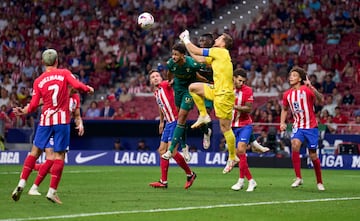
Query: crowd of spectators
[99, 42]
[321, 36]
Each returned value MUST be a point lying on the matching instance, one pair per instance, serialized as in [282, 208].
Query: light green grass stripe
[182, 209]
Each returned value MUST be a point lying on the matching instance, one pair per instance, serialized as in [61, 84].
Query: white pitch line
[181, 209]
[65, 171]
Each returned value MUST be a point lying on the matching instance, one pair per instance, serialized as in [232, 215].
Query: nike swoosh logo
[80, 159]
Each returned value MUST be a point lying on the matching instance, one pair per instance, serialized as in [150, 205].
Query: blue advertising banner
[338, 162]
[113, 158]
[202, 159]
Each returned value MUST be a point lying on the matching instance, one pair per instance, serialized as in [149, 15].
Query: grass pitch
[122, 193]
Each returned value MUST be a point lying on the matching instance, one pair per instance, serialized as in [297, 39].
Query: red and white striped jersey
[164, 96]
[52, 87]
[301, 103]
[74, 102]
[242, 95]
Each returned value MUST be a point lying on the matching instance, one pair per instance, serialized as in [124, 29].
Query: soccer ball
[145, 20]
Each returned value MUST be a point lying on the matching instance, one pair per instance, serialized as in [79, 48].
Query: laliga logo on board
[355, 162]
[215, 159]
[9, 157]
[338, 161]
[135, 158]
[332, 161]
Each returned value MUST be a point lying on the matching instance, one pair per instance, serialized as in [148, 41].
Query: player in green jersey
[182, 71]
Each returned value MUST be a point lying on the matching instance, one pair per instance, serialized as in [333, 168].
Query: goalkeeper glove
[185, 37]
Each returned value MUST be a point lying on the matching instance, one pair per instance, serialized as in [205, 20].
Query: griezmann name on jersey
[52, 87]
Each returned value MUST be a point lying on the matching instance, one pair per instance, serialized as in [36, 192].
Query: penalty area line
[181, 209]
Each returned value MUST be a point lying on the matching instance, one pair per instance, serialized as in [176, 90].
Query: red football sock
[317, 168]
[182, 163]
[56, 172]
[37, 166]
[244, 166]
[241, 174]
[164, 166]
[28, 167]
[295, 157]
[43, 171]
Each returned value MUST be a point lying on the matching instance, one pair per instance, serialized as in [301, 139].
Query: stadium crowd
[99, 42]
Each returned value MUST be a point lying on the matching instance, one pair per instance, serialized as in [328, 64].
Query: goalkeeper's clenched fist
[185, 37]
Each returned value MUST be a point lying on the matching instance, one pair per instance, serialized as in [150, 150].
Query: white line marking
[352, 176]
[65, 171]
[9, 173]
[181, 209]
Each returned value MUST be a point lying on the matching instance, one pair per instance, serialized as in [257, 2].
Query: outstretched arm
[192, 49]
[318, 95]
[198, 58]
[79, 85]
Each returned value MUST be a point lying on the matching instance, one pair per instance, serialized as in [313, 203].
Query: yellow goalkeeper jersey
[220, 61]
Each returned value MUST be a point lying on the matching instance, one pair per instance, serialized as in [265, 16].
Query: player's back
[52, 87]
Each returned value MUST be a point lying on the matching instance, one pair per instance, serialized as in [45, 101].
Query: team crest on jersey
[297, 108]
[187, 69]
[296, 105]
[158, 101]
[188, 100]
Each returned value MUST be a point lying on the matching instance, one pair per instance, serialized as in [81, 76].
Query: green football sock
[183, 138]
[177, 136]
